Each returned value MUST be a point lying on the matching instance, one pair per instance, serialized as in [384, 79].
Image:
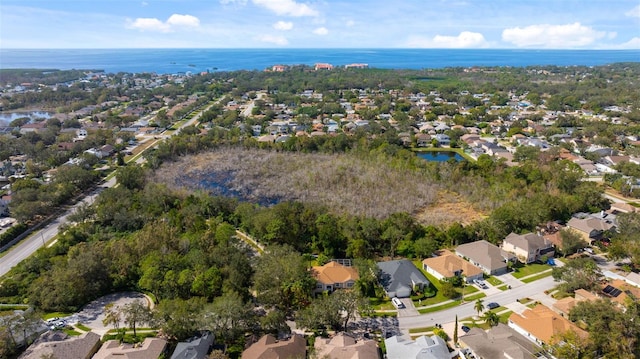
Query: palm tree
[491, 318]
[479, 306]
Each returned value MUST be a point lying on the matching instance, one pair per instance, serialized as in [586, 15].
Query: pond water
[7, 117]
[440, 156]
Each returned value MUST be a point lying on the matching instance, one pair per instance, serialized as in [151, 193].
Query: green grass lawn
[503, 287]
[422, 330]
[455, 303]
[83, 327]
[474, 297]
[494, 281]
[529, 269]
[55, 314]
[71, 332]
[435, 283]
[380, 304]
[536, 277]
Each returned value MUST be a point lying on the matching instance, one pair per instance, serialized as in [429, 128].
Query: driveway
[93, 313]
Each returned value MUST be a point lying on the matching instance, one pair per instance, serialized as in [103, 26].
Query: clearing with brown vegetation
[342, 182]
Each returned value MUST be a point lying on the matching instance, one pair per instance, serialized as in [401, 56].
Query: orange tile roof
[543, 323]
[334, 272]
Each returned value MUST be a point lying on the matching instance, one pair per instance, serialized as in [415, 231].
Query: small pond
[440, 156]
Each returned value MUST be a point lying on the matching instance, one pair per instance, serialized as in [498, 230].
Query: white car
[397, 303]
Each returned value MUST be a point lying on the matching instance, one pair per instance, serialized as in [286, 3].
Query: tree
[283, 280]
[131, 177]
[478, 306]
[228, 317]
[571, 241]
[112, 316]
[449, 290]
[136, 313]
[491, 318]
[579, 273]
[455, 331]
[570, 345]
[179, 319]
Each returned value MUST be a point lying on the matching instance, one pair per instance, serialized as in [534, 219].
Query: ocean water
[197, 60]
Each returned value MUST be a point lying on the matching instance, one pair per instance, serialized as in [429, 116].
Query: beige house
[448, 265]
[268, 347]
[527, 247]
[589, 229]
[490, 258]
[56, 344]
[334, 275]
[151, 348]
[343, 346]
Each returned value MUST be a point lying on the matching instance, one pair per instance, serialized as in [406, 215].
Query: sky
[498, 24]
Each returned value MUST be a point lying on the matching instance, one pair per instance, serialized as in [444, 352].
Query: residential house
[33, 127]
[448, 265]
[423, 347]
[490, 258]
[564, 305]
[268, 347]
[400, 277]
[57, 344]
[527, 247]
[590, 229]
[443, 140]
[498, 342]
[344, 346]
[620, 291]
[334, 275]
[151, 348]
[541, 324]
[195, 348]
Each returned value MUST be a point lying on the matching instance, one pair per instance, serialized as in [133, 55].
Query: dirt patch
[449, 208]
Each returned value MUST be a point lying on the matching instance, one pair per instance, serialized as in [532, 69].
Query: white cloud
[278, 40]
[465, 39]
[239, 2]
[144, 3]
[552, 36]
[350, 23]
[283, 25]
[173, 22]
[321, 31]
[635, 12]
[183, 20]
[633, 44]
[149, 24]
[287, 7]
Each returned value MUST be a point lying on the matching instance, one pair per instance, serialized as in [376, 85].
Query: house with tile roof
[268, 347]
[564, 305]
[334, 275]
[541, 324]
[344, 346]
[151, 348]
[424, 347]
[57, 344]
[449, 265]
[590, 228]
[489, 257]
[400, 277]
[498, 342]
[527, 247]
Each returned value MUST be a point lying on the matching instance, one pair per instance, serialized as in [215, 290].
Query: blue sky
[530, 24]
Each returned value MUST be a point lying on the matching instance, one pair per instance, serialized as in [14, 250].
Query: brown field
[344, 183]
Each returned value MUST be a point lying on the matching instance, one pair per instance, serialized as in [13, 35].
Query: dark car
[493, 305]
[465, 329]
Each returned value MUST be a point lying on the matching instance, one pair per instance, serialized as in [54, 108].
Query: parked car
[397, 303]
[493, 305]
[465, 329]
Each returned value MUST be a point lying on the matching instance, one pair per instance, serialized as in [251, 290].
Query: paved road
[466, 310]
[37, 239]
